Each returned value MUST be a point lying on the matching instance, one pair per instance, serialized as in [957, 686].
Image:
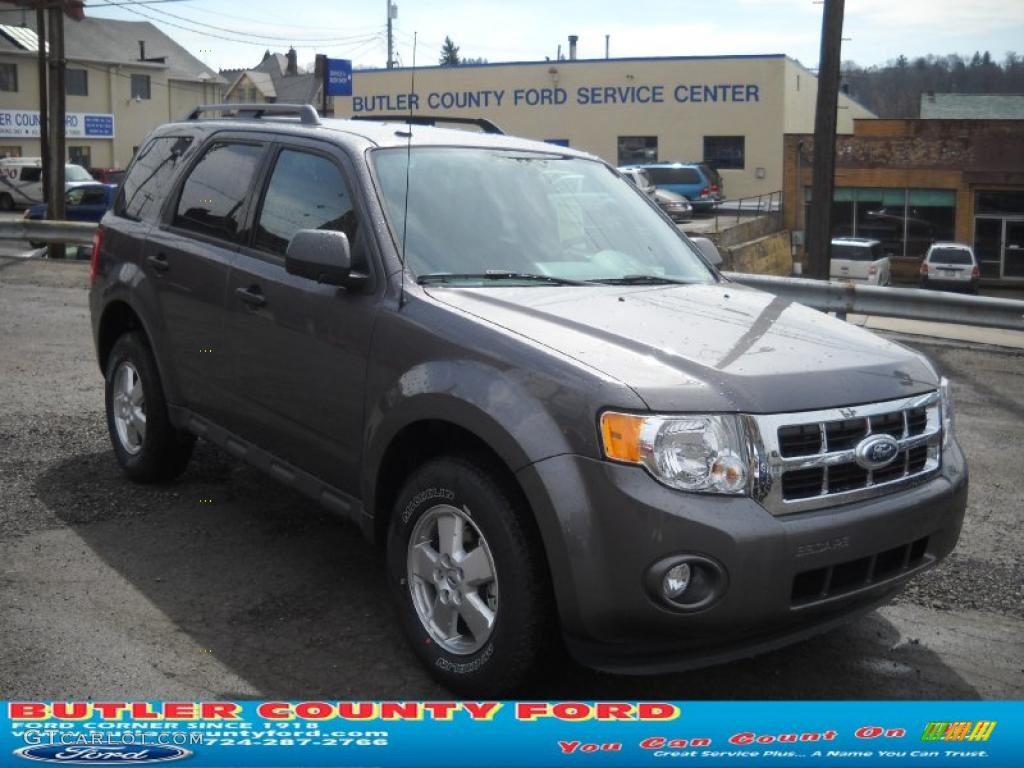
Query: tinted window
[724, 151]
[305, 192]
[855, 252]
[31, 174]
[212, 198]
[150, 176]
[87, 196]
[140, 86]
[950, 256]
[76, 82]
[8, 77]
[674, 175]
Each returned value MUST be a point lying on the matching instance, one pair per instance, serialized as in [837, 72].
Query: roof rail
[305, 112]
[482, 123]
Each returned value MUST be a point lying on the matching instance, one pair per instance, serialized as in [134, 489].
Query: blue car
[84, 202]
[697, 182]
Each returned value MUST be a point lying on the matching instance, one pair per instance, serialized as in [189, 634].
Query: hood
[705, 347]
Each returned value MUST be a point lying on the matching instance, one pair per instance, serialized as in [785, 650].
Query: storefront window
[638, 149]
[999, 203]
[905, 221]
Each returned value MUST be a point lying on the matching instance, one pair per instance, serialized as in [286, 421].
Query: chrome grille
[810, 461]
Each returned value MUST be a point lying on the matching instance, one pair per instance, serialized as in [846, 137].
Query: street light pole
[391, 42]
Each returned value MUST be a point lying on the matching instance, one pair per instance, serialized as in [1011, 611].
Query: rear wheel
[468, 578]
[147, 446]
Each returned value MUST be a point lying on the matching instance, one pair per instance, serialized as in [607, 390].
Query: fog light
[686, 582]
[676, 581]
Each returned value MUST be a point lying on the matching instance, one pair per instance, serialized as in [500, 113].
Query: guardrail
[71, 232]
[909, 303]
[838, 297]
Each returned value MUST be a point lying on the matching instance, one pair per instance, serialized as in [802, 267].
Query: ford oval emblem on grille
[876, 451]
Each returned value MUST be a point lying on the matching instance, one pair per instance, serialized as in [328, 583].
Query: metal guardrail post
[908, 303]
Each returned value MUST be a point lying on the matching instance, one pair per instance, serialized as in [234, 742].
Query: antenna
[408, 163]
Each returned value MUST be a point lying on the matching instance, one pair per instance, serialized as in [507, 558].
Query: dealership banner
[509, 733]
[77, 125]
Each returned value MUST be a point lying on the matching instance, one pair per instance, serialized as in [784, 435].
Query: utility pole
[391, 39]
[44, 129]
[57, 120]
[819, 223]
[607, 45]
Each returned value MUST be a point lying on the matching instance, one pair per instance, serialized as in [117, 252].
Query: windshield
[76, 173]
[950, 256]
[480, 211]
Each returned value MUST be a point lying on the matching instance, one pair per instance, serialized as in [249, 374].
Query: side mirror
[708, 249]
[322, 255]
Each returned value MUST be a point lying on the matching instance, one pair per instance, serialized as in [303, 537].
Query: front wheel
[468, 578]
[147, 446]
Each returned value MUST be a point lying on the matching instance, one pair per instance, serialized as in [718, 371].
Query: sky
[234, 33]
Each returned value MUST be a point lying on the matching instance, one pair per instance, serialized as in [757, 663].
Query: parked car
[859, 259]
[697, 182]
[951, 266]
[639, 179]
[676, 206]
[108, 175]
[542, 400]
[83, 202]
[21, 180]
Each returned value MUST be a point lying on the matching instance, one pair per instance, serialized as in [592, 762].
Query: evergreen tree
[449, 54]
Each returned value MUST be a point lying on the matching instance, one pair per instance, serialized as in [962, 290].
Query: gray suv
[508, 368]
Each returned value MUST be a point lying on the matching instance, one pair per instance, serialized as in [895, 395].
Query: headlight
[946, 403]
[690, 453]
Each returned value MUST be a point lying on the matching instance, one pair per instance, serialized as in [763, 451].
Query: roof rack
[482, 123]
[305, 112]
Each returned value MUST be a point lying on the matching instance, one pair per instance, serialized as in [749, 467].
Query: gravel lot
[225, 584]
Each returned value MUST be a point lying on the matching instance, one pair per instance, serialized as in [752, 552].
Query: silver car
[951, 266]
[859, 259]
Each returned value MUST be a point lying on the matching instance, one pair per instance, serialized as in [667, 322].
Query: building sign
[24, 123]
[584, 95]
[339, 77]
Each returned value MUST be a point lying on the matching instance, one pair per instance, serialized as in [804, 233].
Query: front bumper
[604, 525]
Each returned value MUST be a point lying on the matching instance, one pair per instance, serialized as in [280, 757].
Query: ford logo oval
[98, 755]
[876, 451]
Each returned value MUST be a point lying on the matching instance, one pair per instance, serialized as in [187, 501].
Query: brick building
[909, 183]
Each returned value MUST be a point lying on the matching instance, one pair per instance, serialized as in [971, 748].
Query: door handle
[251, 296]
[159, 262]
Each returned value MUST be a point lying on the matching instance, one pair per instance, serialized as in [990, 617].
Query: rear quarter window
[150, 178]
[854, 252]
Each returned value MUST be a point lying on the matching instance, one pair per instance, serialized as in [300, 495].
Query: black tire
[6, 202]
[164, 451]
[523, 622]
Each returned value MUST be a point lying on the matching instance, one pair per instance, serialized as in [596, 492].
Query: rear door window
[306, 191]
[852, 252]
[950, 256]
[212, 201]
[150, 177]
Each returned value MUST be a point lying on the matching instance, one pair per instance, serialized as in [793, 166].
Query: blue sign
[339, 77]
[99, 125]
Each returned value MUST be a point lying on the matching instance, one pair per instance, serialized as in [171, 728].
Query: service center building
[729, 111]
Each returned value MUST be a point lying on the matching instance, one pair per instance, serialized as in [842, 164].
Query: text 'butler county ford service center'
[730, 111]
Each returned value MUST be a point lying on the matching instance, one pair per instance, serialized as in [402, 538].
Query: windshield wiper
[447, 277]
[644, 280]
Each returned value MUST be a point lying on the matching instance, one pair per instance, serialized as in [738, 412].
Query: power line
[289, 25]
[137, 12]
[343, 39]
